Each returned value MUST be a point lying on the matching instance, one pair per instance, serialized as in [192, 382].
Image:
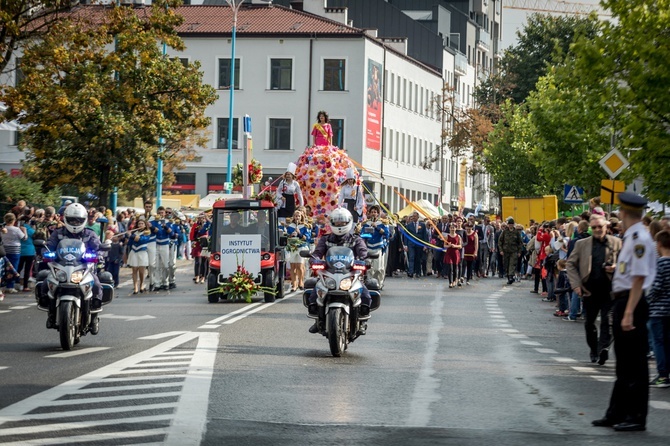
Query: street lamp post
[235, 6]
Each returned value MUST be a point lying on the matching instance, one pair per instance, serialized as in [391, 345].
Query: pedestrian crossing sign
[573, 194]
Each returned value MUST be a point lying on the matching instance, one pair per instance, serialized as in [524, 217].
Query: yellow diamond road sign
[613, 163]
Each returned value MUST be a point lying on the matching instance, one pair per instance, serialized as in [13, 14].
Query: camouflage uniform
[510, 244]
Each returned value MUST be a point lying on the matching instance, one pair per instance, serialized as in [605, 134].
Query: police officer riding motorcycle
[341, 223]
[74, 228]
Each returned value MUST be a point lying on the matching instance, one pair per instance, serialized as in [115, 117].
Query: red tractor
[247, 217]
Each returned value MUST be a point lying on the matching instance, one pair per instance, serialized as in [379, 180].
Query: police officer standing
[634, 273]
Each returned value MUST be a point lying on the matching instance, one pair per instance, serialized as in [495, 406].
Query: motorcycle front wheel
[336, 335]
[66, 325]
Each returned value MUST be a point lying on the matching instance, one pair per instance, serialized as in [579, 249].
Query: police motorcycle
[338, 286]
[70, 289]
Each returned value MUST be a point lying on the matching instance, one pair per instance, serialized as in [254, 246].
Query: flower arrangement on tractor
[255, 173]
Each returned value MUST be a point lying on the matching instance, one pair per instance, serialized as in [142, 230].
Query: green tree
[632, 56]
[508, 153]
[573, 128]
[95, 117]
[24, 20]
[544, 41]
[13, 189]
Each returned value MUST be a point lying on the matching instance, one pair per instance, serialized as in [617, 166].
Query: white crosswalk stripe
[159, 396]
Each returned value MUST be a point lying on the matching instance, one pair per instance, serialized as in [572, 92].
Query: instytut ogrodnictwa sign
[240, 249]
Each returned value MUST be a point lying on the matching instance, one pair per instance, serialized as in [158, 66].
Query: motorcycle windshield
[340, 258]
[71, 252]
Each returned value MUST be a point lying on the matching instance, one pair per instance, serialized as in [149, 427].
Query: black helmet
[510, 221]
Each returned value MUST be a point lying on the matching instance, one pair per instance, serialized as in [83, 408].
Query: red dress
[469, 249]
[453, 255]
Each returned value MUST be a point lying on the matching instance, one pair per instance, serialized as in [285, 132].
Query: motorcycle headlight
[330, 283]
[61, 275]
[77, 276]
[345, 284]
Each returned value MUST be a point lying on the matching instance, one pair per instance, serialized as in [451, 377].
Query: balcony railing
[461, 64]
[483, 39]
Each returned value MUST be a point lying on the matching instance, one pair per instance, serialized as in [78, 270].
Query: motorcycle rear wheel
[336, 336]
[66, 325]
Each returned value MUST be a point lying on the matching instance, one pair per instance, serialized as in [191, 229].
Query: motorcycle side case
[107, 293]
[372, 284]
[376, 299]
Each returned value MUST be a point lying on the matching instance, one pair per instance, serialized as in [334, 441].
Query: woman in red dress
[470, 251]
[452, 257]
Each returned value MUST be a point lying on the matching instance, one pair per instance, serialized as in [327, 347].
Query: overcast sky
[514, 20]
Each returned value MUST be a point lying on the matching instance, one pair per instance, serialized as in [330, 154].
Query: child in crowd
[114, 256]
[562, 289]
[659, 311]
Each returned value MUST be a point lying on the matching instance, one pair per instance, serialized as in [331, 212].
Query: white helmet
[75, 217]
[341, 221]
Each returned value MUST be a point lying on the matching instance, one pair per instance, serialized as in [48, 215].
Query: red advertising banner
[373, 110]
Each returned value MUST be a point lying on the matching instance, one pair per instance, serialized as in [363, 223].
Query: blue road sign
[573, 194]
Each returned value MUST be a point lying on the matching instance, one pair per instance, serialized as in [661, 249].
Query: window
[215, 182]
[19, 76]
[183, 60]
[281, 74]
[333, 74]
[222, 131]
[280, 134]
[338, 132]
[224, 74]
[184, 183]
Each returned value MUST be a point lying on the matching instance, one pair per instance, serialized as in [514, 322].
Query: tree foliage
[544, 41]
[98, 96]
[13, 189]
[507, 155]
[632, 57]
[22, 21]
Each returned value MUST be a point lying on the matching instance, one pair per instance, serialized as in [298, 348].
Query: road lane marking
[530, 343]
[605, 379]
[163, 335]
[497, 316]
[547, 350]
[562, 359]
[231, 314]
[190, 419]
[503, 325]
[509, 330]
[81, 351]
[243, 315]
[517, 335]
[55, 427]
[19, 307]
[185, 424]
[427, 386]
[664, 405]
[209, 327]
[585, 369]
[5, 311]
[97, 437]
[3, 367]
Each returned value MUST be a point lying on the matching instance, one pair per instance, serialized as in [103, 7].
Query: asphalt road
[485, 364]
